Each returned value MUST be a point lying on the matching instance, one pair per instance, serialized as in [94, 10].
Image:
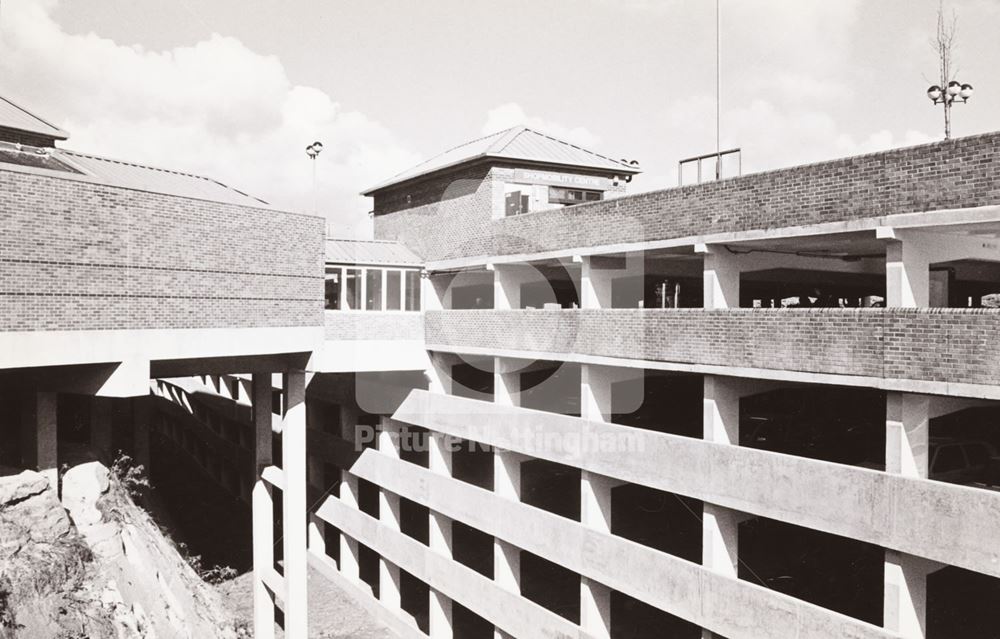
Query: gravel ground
[332, 612]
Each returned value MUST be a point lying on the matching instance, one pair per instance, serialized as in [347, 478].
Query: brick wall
[952, 174]
[366, 325]
[81, 256]
[919, 344]
[452, 214]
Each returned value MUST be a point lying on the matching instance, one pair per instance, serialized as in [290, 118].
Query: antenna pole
[718, 89]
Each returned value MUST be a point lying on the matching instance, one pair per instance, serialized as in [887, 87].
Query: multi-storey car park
[538, 407]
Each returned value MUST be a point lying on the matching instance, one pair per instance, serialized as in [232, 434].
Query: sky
[236, 89]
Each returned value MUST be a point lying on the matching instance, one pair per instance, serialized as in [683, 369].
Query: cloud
[215, 108]
[512, 114]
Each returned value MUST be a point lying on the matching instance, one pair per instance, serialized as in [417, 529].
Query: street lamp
[312, 151]
[954, 91]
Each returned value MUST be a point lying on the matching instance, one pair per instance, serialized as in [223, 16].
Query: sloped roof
[374, 252]
[18, 118]
[517, 143]
[146, 178]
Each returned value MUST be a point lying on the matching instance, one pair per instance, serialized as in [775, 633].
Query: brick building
[760, 407]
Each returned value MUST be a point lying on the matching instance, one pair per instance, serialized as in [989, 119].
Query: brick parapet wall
[944, 175]
[939, 345]
[374, 325]
[75, 255]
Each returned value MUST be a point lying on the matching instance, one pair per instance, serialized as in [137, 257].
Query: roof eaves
[56, 132]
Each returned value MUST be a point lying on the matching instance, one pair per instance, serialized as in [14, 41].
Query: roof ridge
[575, 146]
[62, 133]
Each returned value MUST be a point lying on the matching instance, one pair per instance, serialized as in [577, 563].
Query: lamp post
[312, 151]
[952, 92]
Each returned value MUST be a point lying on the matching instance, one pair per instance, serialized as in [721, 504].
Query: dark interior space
[472, 548]
[962, 603]
[472, 462]
[670, 403]
[552, 387]
[368, 498]
[552, 487]
[837, 573]
[414, 597]
[468, 625]
[553, 286]
[661, 520]
[550, 586]
[414, 520]
[779, 287]
[197, 512]
[368, 561]
[473, 379]
[829, 423]
[965, 447]
[414, 445]
[633, 619]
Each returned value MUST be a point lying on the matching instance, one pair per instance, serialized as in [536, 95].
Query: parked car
[963, 461]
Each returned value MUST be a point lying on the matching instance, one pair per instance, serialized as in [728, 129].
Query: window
[559, 195]
[373, 279]
[333, 289]
[517, 203]
[978, 454]
[393, 284]
[413, 290]
[352, 283]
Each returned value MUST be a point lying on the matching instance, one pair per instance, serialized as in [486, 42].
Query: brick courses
[944, 175]
[942, 345]
[75, 255]
[374, 325]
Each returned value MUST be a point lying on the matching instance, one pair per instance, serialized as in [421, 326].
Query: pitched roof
[380, 252]
[517, 143]
[18, 118]
[146, 178]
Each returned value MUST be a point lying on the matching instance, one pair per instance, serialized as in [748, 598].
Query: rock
[82, 487]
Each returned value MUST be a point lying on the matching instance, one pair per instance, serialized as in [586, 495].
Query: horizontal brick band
[934, 345]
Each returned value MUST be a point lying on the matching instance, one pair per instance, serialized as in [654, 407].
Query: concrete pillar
[507, 282]
[293, 452]
[39, 435]
[389, 516]
[905, 604]
[720, 526]
[721, 277]
[907, 434]
[436, 292]
[349, 494]
[100, 427]
[507, 483]
[598, 401]
[440, 537]
[439, 374]
[507, 381]
[907, 275]
[262, 504]
[599, 272]
[595, 512]
[317, 529]
[141, 424]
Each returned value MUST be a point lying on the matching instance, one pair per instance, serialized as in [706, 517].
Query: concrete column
[905, 606]
[389, 516]
[439, 374]
[507, 483]
[598, 273]
[907, 453]
[140, 432]
[907, 434]
[595, 512]
[39, 435]
[598, 402]
[720, 526]
[507, 282]
[721, 278]
[100, 427]
[440, 538]
[349, 492]
[436, 293]
[317, 529]
[262, 505]
[507, 381]
[907, 275]
[293, 450]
